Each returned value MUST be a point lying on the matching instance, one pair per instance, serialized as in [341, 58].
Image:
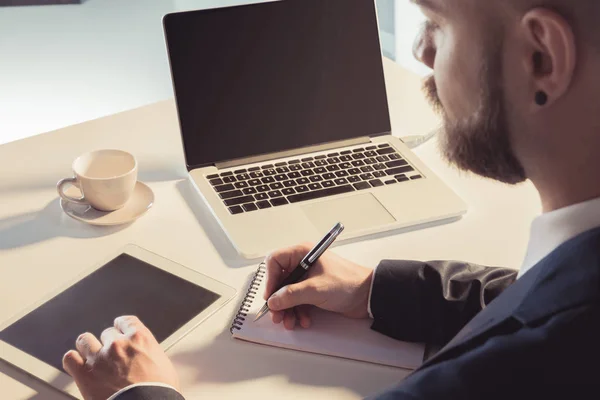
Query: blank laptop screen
[258, 79]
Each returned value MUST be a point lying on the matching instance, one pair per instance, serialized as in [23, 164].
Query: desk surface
[40, 248]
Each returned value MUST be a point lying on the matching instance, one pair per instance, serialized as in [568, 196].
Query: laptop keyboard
[274, 185]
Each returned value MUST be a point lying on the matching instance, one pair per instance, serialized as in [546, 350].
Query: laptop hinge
[291, 153]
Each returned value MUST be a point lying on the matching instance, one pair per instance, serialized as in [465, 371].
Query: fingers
[294, 295]
[88, 345]
[289, 320]
[277, 316]
[73, 363]
[109, 335]
[129, 324]
[303, 316]
[280, 263]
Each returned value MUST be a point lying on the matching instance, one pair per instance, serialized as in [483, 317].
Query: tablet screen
[123, 286]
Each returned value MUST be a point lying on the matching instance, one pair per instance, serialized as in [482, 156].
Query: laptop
[285, 124]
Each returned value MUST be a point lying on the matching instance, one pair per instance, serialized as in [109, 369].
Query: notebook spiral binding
[242, 313]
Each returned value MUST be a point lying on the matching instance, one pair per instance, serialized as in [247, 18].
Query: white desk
[40, 248]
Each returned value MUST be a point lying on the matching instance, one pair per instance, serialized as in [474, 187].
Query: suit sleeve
[430, 302]
[149, 393]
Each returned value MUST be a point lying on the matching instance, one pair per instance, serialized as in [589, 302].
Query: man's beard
[481, 142]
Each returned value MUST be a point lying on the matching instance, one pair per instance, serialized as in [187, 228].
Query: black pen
[308, 261]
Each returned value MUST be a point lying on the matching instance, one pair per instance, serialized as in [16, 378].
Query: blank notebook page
[329, 334]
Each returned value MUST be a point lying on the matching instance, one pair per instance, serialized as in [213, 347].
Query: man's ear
[550, 55]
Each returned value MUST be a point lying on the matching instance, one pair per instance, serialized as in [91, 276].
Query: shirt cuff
[114, 396]
[371, 292]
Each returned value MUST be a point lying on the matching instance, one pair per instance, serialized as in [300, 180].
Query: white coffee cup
[106, 179]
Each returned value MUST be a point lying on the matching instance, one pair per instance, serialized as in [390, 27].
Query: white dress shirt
[550, 230]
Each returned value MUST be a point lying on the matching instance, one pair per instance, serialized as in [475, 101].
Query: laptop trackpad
[357, 213]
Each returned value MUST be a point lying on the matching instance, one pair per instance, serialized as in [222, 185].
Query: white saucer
[140, 202]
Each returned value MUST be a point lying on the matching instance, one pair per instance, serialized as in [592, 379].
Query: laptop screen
[264, 78]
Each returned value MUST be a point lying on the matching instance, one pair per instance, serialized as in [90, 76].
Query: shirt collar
[550, 230]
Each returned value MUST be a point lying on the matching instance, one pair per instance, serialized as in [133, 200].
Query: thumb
[293, 295]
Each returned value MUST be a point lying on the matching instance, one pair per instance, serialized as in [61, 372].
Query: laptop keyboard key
[396, 163]
[384, 145]
[281, 201]
[229, 179]
[320, 170]
[253, 169]
[268, 166]
[254, 182]
[288, 184]
[307, 159]
[382, 158]
[307, 172]
[216, 181]
[376, 183]
[282, 170]
[228, 173]
[230, 195]
[401, 178]
[366, 177]
[213, 176]
[345, 152]
[288, 191]
[395, 156]
[371, 154]
[307, 165]
[275, 193]
[320, 157]
[302, 189]
[276, 186]
[316, 178]
[242, 177]
[367, 169]
[354, 171]
[320, 163]
[236, 210]
[239, 200]
[328, 184]
[269, 172]
[362, 185]
[379, 167]
[262, 188]
[224, 188]
[399, 170]
[370, 161]
[261, 196]
[416, 177]
[344, 165]
[353, 179]
[241, 185]
[358, 163]
[250, 190]
[387, 150]
[255, 175]
[358, 150]
[263, 204]
[293, 162]
[346, 158]
[249, 207]
[281, 178]
[302, 181]
[281, 164]
[341, 181]
[371, 148]
[332, 168]
[332, 155]
[295, 167]
[390, 182]
[268, 179]
[379, 174]
[294, 175]
[333, 160]
[315, 186]
[358, 156]
[341, 174]
[295, 198]
[329, 176]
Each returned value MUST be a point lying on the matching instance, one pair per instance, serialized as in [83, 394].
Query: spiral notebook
[330, 334]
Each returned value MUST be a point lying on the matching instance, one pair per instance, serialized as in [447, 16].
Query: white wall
[61, 65]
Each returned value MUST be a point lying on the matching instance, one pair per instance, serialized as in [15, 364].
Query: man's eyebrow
[427, 4]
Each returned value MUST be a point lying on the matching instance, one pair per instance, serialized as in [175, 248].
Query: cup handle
[60, 187]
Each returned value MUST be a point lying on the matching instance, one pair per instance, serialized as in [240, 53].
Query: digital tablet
[168, 298]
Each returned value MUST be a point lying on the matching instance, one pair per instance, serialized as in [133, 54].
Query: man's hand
[333, 284]
[126, 354]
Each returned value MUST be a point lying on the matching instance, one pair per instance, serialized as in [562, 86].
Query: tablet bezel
[62, 381]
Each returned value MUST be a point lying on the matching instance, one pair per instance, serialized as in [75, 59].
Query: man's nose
[423, 50]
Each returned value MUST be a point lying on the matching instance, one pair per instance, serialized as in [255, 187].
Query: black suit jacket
[536, 338]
